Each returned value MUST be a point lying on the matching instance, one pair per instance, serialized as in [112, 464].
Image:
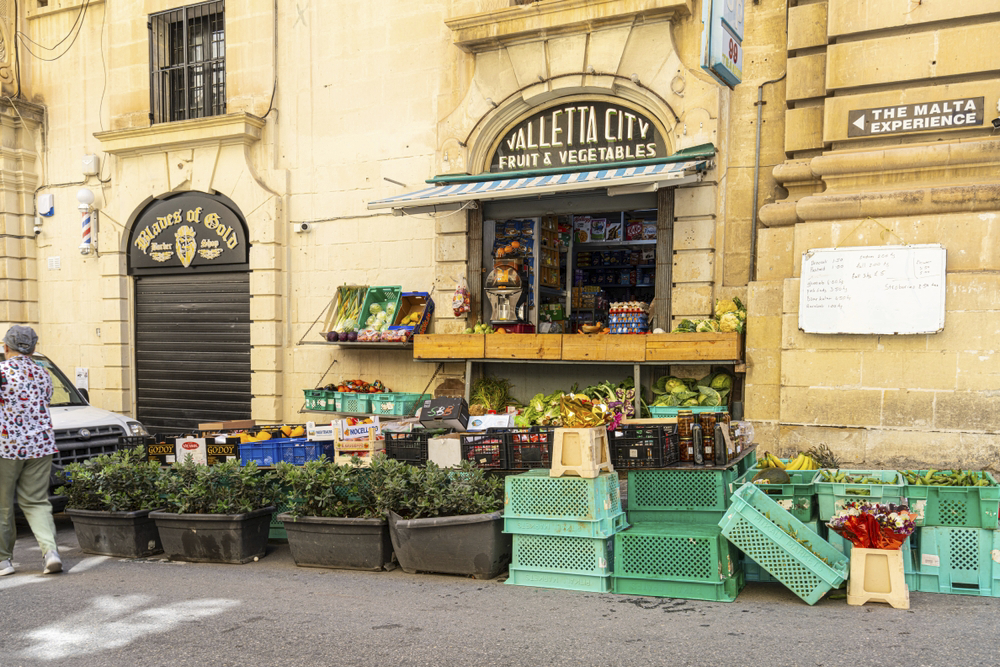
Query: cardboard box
[358, 431]
[445, 412]
[237, 425]
[220, 452]
[196, 447]
[483, 422]
[163, 453]
[414, 302]
[445, 450]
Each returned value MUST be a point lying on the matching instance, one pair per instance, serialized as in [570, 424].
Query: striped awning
[623, 180]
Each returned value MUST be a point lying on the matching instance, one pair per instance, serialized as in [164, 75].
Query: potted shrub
[334, 520]
[216, 514]
[445, 520]
[109, 499]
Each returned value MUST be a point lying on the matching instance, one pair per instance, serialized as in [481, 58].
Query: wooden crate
[449, 346]
[524, 346]
[603, 347]
[694, 347]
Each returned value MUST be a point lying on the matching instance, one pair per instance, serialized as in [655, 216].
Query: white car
[82, 430]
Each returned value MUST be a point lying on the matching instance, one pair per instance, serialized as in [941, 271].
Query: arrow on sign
[860, 122]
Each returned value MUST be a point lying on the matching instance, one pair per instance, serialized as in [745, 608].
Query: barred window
[187, 59]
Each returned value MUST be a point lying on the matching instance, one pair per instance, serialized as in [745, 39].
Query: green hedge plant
[223, 488]
[123, 481]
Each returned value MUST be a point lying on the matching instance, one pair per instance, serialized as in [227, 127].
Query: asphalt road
[105, 612]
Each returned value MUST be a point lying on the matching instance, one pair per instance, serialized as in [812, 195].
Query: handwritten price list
[873, 290]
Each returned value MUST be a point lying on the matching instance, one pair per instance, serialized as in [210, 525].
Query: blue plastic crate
[567, 555]
[763, 530]
[519, 576]
[535, 495]
[298, 450]
[264, 453]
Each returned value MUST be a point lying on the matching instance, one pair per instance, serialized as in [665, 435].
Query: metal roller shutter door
[192, 348]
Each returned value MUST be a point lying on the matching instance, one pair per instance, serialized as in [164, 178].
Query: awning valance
[618, 181]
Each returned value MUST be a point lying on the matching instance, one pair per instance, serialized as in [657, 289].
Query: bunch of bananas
[801, 462]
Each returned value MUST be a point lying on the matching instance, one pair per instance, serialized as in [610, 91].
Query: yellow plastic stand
[877, 576]
[582, 452]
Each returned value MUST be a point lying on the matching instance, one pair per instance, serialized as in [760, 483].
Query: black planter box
[120, 534]
[352, 544]
[214, 538]
[471, 544]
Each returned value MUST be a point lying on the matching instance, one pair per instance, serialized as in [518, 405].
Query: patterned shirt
[25, 422]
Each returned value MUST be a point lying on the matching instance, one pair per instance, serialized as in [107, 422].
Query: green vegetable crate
[754, 573]
[680, 560]
[320, 399]
[796, 556]
[386, 298]
[396, 403]
[661, 411]
[798, 497]
[958, 561]
[959, 506]
[680, 495]
[833, 496]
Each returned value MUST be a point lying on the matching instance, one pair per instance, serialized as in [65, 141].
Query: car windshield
[63, 391]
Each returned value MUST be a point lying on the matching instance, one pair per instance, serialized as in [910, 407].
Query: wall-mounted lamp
[88, 219]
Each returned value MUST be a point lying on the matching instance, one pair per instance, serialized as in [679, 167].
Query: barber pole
[85, 218]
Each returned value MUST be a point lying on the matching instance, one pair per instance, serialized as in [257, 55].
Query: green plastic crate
[724, 591]
[277, 528]
[754, 573]
[682, 495]
[833, 495]
[958, 561]
[600, 528]
[387, 298]
[752, 524]
[535, 495]
[400, 404]
[348, 401]
[958, 506]
[675, 552]
[571, 582]
[320, 399]
[798, 496]
[661, 411]
[568, 555]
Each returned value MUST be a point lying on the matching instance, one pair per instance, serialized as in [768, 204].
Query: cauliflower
[724, 306]
[708, 326]
[730, 322]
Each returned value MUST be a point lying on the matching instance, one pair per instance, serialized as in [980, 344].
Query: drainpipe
[756, 178]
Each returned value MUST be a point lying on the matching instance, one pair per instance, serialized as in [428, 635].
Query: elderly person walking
[27, 444]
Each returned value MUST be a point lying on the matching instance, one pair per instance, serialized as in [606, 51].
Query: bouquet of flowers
[873, 525]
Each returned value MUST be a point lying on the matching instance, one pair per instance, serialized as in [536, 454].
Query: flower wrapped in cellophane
[874, 525]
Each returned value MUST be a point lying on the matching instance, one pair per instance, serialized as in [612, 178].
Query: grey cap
[21, 339]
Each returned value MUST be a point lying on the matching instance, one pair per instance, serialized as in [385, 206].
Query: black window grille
[187, 60]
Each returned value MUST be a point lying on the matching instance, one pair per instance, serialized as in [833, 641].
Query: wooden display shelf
[603, 347]
[544, 347]
[449, 346]
[693, 347]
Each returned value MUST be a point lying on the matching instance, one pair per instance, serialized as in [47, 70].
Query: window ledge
[549, 18]
[234, 128]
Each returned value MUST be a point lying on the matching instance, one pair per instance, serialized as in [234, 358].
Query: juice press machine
[507, 291]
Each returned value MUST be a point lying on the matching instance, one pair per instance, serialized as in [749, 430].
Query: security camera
[37, 230]
[302, 227]
[996, 123]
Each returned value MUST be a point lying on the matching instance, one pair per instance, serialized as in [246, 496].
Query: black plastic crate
[645, 446]
[485, 450]
[407, 447]
[529, 448]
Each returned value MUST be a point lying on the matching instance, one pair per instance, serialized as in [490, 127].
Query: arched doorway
[189, 256]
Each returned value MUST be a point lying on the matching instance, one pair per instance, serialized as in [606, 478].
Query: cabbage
[690, 401]
[684, 326]
[709, 397]
[721, 382]
[675, 385]
[707, 326]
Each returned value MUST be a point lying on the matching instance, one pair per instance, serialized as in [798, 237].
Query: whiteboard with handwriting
[873, 290]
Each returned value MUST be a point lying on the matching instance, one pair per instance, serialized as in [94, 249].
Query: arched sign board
[578, 134]
[873, 290]
[189, 232]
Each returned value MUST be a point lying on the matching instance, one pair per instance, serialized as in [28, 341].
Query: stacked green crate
[564, 529]
[675, 547]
